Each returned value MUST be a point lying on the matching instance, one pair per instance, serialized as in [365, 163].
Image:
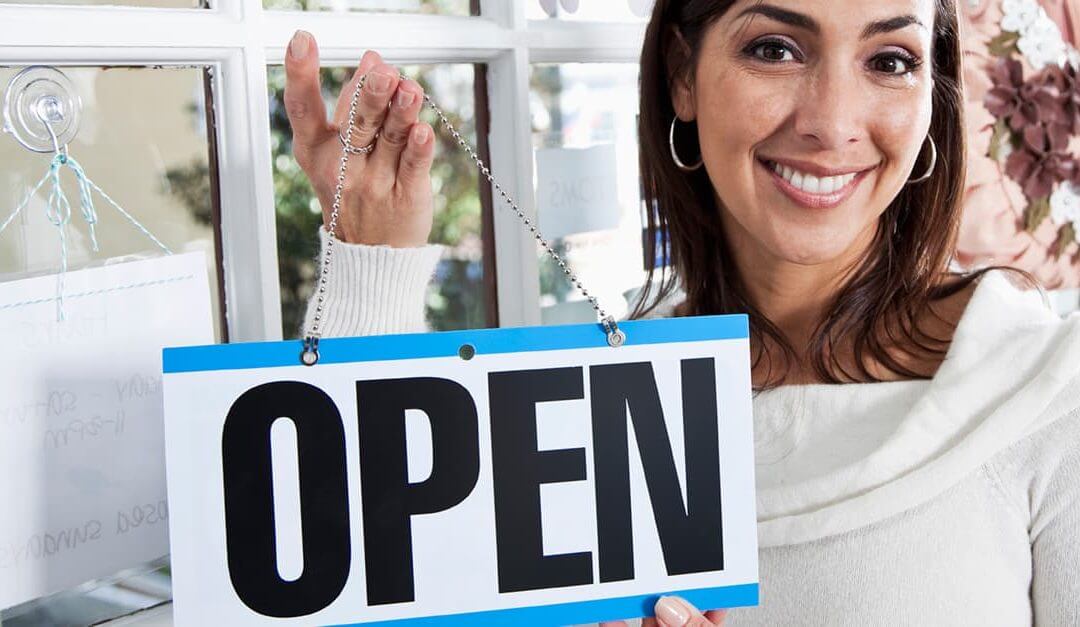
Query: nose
[831, 112]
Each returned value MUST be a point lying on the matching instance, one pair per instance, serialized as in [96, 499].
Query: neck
[794, 296]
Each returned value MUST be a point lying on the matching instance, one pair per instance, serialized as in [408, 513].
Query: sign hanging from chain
[549, 475]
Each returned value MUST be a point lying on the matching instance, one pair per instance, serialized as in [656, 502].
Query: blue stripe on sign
[582, 611]
[446, 343]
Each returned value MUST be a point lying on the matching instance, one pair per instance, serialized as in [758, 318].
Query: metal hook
[616, 337]
[49, 110]
[310, 355]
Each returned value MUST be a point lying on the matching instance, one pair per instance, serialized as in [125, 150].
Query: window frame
[237, 40]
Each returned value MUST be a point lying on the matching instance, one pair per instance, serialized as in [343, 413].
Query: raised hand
[387, 196]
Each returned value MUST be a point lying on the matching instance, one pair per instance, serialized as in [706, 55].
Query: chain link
[310, 355]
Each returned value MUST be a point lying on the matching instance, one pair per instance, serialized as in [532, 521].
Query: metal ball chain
[310, 355]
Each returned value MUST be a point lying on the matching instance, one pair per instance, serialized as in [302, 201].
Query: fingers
[716, 617]
[404, 108]
[613, 623]
[371, 109]
[368, 61]
[414, 170]
[676, 612]
[303, 98]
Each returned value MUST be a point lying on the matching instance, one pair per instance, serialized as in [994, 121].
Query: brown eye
[895, 65]
[772, 51]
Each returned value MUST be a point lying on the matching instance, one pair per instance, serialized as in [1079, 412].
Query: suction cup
[38, 94]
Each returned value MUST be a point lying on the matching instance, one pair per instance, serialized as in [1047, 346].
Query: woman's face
[836, 95]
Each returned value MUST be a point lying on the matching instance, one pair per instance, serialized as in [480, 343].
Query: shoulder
[1038, 473]
[1013, 340]
[1006, 320]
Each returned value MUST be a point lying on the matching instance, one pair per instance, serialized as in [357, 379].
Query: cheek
[735, 116]
[900, 127]
[740, 113]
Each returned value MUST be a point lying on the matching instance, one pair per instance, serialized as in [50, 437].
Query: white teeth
[812, 184]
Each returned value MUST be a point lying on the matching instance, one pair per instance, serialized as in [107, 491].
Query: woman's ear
[677, 63]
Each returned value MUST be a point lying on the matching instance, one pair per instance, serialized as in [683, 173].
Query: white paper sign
[398, 482]
[82, 475]
[577, 190]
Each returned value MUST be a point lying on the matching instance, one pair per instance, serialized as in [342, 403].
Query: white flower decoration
[1065, 205]
[1041, 42]
[1019, 14]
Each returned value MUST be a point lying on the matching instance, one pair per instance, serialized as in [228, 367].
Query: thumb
[303, 95]
[675, 612]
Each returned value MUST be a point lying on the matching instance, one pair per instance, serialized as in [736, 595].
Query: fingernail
[380, 82]
[420, 134]
[404, 98]
[672, 613]
[299, 44]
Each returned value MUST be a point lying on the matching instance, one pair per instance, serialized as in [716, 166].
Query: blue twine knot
[58, 212]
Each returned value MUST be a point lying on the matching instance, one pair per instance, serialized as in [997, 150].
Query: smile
[820, 190]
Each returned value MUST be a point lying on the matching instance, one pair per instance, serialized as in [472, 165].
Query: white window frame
[238, 39]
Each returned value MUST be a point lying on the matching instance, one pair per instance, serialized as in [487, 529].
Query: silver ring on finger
[353, 149]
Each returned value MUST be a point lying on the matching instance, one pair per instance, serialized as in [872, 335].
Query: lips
[841, 185]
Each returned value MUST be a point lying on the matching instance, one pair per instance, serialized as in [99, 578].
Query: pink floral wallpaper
[1022, 202]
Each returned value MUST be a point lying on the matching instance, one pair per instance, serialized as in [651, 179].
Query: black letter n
[690, 535]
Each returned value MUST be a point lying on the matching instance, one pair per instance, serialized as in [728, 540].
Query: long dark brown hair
[882, 302]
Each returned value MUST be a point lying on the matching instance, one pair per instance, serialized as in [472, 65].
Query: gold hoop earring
[933, 163]
[674, 154]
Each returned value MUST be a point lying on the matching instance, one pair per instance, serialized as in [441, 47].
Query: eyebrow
[806, 22]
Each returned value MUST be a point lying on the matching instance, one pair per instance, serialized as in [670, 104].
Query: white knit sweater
[954, 501]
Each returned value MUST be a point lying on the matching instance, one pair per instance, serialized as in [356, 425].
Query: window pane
[142, 138]
[433, 7]
[591, 211]
[456, 297]
[590, 10]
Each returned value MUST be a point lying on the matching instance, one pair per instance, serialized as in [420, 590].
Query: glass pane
[159, 4]
[142, 138]
[431, 7]
[584, 114]
[590, 10]
[456, 297]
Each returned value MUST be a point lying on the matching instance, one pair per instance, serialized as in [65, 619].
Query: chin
[810, 248]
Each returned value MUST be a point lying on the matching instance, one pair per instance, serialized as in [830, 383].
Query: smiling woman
[819, 121]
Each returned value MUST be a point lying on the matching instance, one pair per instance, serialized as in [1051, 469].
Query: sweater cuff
[372, 290]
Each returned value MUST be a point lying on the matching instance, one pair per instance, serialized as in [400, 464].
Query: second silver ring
[353, 149]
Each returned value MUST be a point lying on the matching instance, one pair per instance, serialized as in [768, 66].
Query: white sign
[402, 480]
[577, 190]
[82, 479]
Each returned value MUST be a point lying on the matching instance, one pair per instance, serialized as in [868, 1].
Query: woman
[918, 432]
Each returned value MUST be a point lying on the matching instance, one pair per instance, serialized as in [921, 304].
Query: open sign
[548, 479]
